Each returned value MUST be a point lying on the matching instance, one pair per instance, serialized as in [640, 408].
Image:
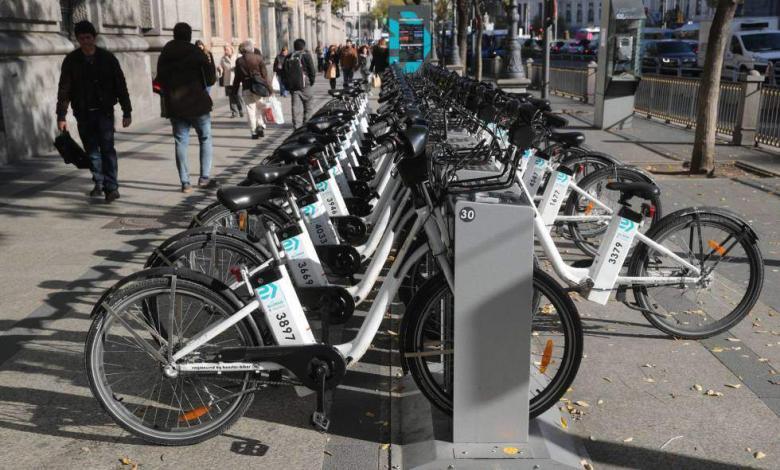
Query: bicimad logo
[626, 225]
[291, 244]
[267, 291]
[308, 210]
[562, 177]
[540, 162]
[322, 186]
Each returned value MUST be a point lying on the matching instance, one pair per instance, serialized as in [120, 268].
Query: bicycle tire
[211, 290]
[686, 218]
[412, 333]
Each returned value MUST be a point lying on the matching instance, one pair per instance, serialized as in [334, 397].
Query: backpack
[292, 71]
[259, 86]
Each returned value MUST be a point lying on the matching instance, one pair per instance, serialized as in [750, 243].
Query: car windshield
[762, 42]
[674, 47]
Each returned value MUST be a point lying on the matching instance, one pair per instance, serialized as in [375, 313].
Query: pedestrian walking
[332, 66]
[298, 75]
[226, 71]
[349, 62]
[279, 70]
[184, 73]
[380, 56]
[364, 59]
[252, 77]
[200, 45]
[318, 53]
[92, 82]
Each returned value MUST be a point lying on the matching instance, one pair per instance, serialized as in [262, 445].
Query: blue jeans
[96, 130]
[181, 134]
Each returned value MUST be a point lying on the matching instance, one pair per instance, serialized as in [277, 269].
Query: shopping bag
[275, 83]
[376, 81]
[268, 115]
[276, 109]
[71, 152]
[331, 72]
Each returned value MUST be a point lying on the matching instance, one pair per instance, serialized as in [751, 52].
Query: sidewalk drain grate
[149, 221]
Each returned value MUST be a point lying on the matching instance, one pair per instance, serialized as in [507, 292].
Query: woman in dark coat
[332, 59]
[380, 57]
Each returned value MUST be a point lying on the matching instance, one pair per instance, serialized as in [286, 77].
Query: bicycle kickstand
[319, 418]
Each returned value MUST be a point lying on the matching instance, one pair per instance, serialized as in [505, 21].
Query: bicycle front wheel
[127, 377]
[556, 343]
[732, 274]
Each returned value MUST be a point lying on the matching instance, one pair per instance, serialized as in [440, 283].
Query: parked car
[669, 56]
[573, 46]
[555, 47]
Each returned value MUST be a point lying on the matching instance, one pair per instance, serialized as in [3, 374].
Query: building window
[234, 19]
[579, 13]
[591, 12]
[213, 23]
[568, 13]
[66, 8]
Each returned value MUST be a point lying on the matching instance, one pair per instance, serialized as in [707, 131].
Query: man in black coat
[92, 82]
[184, 73]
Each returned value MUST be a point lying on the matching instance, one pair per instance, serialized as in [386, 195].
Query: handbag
[376, 81]
[331, 72]
[71, 152]
[259, 86]
[276, 108]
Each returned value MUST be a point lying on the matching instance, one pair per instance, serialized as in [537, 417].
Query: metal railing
[768, 126]
[568, 81]
[674, 99]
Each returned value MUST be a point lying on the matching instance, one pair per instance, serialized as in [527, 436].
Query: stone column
[284, 31]
[747, 115]
[268, 25]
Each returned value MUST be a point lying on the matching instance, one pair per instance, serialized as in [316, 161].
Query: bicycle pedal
[320, 421]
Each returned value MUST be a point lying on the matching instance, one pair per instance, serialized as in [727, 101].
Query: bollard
[590, 93]
[747, 114]
[529, 71]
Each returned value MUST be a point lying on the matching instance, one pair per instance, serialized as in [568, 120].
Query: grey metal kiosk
[492, 328]
[619, 62]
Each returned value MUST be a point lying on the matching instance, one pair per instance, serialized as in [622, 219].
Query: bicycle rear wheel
[128, 381]
[725, 252]
[556, 343]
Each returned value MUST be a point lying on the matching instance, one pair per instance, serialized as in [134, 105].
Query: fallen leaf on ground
[649, 380]
[384, 446]
[716, 350]
[733, 385]
[759, 455]
[713, 393]
[649, 365]
[327, 452]
[582, 403]
[600, 402]
[628, 439]
[698, 387]
[85, 449]
[763, 359]
[586, 465]
[734, 340]
[607, 379]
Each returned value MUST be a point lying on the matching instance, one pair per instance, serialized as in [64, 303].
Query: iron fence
[568, 81]
[674, 99]
[768, 126]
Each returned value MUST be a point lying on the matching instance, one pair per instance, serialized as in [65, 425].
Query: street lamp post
[434, 59]
[514, 66]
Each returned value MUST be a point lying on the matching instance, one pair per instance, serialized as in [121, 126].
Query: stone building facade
[35, 36]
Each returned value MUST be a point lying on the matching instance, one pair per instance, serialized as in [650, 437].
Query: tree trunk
[463, 21]
[478, 39]
[703, 156]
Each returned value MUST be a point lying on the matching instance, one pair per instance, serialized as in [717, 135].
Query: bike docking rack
[490, 426]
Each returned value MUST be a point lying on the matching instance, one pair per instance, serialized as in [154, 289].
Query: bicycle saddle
[416, 138]
[237, 198]
[336, 93]
[555, 120]
[266, 174]
[629, 190]
[305, 137]
[293, 151]
[571, 139]
[324, 124]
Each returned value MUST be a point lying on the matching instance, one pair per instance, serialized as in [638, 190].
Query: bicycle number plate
[303, 262]
[334, 201]
[318, 224]
[553, 197]
[534, 176]
[612, 253]
[284, 311]
[341, 179]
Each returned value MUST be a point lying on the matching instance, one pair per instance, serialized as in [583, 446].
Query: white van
[754, 45]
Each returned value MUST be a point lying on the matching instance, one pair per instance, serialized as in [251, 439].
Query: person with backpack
[255, 84]
[184, 72]
[298, 75]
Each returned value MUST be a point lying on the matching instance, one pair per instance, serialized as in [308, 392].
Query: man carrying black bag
[92, 82]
